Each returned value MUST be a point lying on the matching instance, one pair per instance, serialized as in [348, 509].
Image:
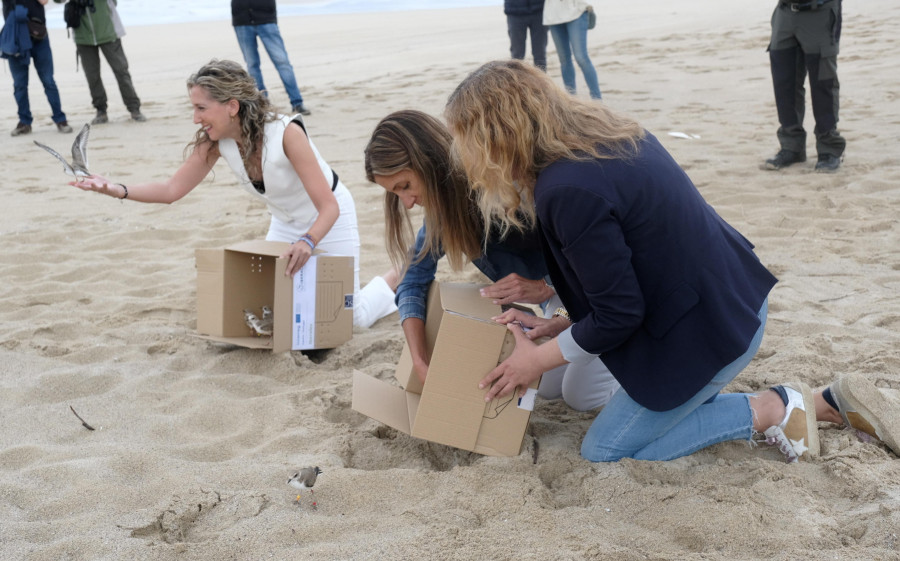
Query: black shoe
[785, 158]
[100, 119]
[138, 116]
[301, 109]
[63, 126]
[828, 163]
[21, 128]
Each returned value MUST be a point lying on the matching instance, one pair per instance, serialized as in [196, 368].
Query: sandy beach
[194, 441]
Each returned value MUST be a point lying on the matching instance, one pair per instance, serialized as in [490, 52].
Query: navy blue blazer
[656, 282]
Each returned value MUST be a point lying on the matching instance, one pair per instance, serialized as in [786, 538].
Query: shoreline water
[162, 12]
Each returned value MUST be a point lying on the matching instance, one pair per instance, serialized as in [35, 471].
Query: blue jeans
[571, 38]
[518, 28]
[43, 64]
[271, 39]
[624, 429]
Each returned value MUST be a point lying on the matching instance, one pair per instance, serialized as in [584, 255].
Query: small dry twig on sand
[83, 422]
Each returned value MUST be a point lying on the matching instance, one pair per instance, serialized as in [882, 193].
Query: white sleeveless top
[285, 195]
[563, 11]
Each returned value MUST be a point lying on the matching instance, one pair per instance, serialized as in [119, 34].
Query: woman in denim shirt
[409, 155]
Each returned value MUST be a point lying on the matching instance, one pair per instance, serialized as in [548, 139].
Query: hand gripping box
[464, 345]
[312, 310]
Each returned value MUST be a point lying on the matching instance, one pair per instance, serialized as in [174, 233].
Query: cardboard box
[465, 344]
[312, 310]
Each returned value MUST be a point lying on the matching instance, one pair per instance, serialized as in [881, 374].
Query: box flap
[465, 299]
[452, 405]
[260, 247]
[381, 401]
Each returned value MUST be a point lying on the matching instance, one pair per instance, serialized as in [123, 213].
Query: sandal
[798, 434]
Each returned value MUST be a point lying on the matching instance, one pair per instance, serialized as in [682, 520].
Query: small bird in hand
[78, 166]
[305, 479]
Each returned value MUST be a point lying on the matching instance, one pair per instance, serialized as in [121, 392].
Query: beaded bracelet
[125, 196]
[309, 241]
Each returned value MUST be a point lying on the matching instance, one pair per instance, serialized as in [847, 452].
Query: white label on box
[303, 322]
[526, 402]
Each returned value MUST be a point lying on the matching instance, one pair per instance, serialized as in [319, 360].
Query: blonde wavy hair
[413, 140]
[225, 80]
[509, 121]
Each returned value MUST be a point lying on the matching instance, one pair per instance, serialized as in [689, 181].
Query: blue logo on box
[296, 318]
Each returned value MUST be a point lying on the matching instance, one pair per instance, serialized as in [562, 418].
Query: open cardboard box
[313, 310]
[464, 344]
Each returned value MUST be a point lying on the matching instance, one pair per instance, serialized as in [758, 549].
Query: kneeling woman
[669, 295]
[409, 155]
[274, 160]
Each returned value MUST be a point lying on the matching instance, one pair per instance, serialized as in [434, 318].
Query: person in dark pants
[102, 30]
[523, 16]
[42, 57]
[805, 40]
[258, 19]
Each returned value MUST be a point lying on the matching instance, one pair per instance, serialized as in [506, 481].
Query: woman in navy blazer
[670, 296]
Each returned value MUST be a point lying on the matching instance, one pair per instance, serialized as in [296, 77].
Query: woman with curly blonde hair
[656, 283]
[274, 160]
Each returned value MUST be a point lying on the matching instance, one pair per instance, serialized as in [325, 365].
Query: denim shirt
[518, 253]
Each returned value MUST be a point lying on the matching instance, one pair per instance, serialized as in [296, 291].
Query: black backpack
[74, 9]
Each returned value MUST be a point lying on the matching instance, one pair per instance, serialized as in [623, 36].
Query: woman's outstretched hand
[99, 184]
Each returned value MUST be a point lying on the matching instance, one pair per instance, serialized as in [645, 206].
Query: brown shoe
[21, 128]
[63, 126]
[866, 409]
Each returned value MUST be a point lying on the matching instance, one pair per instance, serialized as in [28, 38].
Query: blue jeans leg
[274, 44]
[19, 71]
[624, 429]
[560, 34]
[246, 36]
[571, 40]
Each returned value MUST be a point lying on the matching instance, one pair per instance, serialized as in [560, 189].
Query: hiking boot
[100, 118]
[828, 163]
[797, 436]
[785, 158]
[21, 128]
[63, 126]
[301, 109]
[138, 116]
[864, 408]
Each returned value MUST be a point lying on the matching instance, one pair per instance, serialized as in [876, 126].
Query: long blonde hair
[510, 121]
[416, 141]
[225, 80]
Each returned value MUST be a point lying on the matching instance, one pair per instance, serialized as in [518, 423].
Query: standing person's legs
[19, 71]
[625, 429]
[538, 41]
[517, 28]
[786, 60]
[43, 64]
[246, 36]
[819, 37]
[274, 44]
[560, 35]
[578, 29]
[115, 56]
[90, 62]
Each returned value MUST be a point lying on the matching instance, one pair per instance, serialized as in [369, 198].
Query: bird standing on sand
[305, 479]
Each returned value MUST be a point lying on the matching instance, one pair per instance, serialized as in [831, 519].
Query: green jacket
[99, 26]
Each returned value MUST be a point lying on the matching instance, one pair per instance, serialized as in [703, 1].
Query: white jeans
[582, 386]
[376, 299]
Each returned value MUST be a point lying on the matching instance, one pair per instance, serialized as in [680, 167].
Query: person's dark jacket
[253, 12]
[658, 285]
[522, 7]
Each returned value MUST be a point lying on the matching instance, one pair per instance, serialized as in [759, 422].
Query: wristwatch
[562, 313]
